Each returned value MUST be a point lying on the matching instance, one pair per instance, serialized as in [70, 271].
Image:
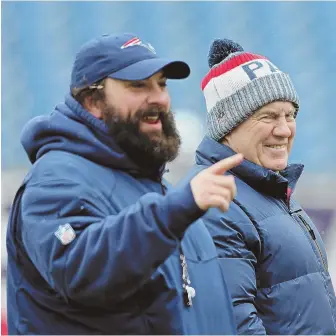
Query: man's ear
[94, 107]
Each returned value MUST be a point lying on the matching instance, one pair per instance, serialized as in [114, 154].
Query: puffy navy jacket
[272, 255]
[121, 274]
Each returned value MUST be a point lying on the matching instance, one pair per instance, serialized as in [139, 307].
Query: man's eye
[163, 84]
[137, 84]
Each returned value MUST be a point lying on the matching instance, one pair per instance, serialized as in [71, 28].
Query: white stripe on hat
[228, 83]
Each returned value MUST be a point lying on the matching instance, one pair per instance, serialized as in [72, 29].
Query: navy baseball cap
[121, 56]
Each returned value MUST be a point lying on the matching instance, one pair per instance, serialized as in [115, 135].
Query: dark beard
[148, 154]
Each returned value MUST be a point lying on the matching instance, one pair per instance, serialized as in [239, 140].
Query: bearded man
[97, 242]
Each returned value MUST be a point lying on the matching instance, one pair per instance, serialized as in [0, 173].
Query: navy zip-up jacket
[272, 255]
[94, 245]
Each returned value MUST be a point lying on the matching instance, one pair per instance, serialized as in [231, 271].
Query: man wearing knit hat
[271, 254]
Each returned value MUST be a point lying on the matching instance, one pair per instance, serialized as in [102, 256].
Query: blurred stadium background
[40, 39]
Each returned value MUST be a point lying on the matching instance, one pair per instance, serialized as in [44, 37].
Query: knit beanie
[238, 84]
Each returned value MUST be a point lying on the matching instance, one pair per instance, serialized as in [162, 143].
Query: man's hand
[211, 189]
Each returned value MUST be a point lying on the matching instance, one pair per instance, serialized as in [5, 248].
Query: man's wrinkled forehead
[278, 108]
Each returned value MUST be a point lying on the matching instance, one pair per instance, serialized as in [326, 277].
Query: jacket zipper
[312, 234]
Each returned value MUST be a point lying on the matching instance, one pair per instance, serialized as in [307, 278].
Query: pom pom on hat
[221, 49]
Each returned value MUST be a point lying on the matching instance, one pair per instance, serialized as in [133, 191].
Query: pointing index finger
[224, 165]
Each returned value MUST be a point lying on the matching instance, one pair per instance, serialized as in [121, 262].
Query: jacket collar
[264, 180]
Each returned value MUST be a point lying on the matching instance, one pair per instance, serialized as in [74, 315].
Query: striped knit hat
[238, 84]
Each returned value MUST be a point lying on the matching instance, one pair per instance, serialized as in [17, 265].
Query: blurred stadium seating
[40, 39]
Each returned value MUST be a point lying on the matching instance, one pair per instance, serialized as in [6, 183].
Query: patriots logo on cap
[136, 41]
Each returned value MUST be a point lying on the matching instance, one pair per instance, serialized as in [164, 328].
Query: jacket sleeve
[238, 245]
[111, 255]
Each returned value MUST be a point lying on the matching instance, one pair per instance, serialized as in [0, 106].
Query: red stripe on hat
[133, 40]
[229, 65]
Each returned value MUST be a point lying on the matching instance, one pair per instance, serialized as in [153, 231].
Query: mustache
[115, 119]
[158, 112]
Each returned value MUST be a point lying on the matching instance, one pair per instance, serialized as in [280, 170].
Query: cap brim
[147, 68]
